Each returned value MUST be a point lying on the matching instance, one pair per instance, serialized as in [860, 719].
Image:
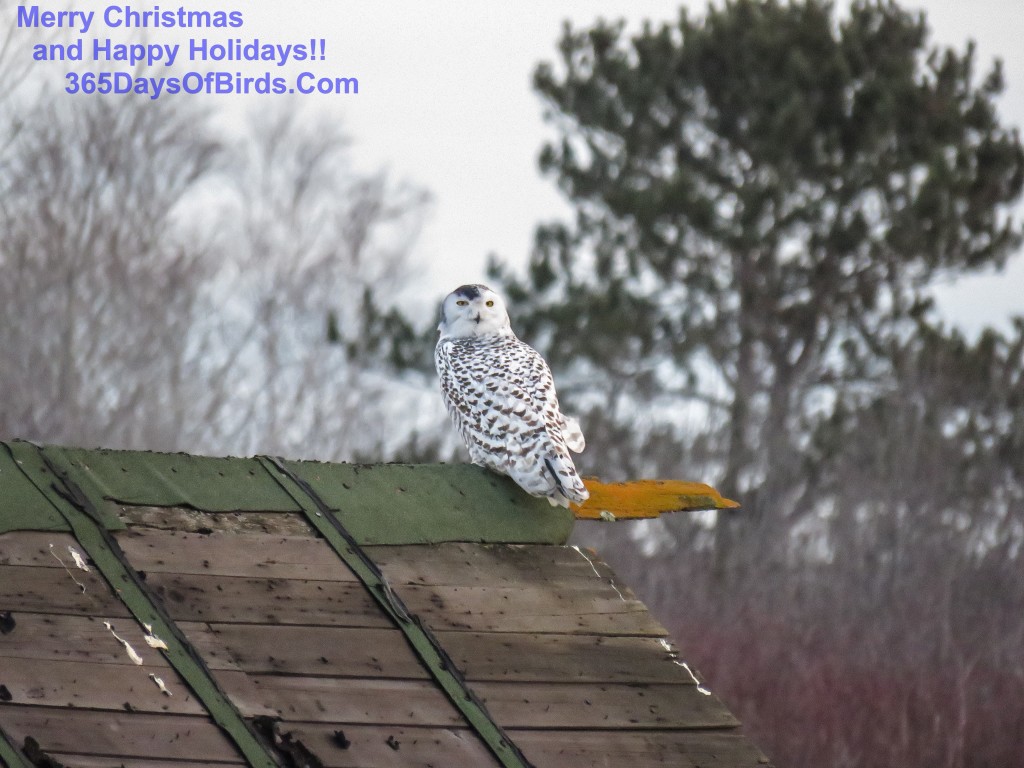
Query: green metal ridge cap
[22, 506]
[433, 503]
[378, 503]
[206, 483]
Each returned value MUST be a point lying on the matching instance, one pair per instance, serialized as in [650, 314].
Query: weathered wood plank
[562, 658]
[581, 606]
[514, 705]
[589, 606]
[233, 599]
[197, 521]
[340, 699]
[85, 685]
[127, 734]
[369, 652]
[678, 749]
[391, 746]
[304, 650]
[227, 554]
[302, 557]
[509, 565]
[514, 588]
[33, 548]
[532, 574]
[74, 638]
[56, 590]
[353, 700]
[602, 706]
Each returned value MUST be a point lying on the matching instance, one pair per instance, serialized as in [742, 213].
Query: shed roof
[160, 610]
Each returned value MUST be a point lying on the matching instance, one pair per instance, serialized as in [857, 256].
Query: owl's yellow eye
[490, 303]
[462, 302]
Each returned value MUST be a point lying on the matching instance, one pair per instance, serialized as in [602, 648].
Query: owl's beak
[477, 318]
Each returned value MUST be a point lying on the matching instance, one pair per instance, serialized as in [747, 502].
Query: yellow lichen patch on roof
[647, 498]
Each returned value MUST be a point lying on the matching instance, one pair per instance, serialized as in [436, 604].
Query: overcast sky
[445, 102]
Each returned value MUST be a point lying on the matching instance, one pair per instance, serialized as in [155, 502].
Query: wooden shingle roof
[172, 610]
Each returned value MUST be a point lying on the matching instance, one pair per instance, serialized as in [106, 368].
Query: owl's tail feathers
[572, 434]
[566, 485]
[647, 498]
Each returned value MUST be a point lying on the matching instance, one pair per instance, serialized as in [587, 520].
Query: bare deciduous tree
[160, 290]
[97, 270]
[305, 239]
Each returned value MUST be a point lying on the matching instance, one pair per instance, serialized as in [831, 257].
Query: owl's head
[473, 310]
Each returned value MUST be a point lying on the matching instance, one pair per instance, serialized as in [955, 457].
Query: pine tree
[762, 197]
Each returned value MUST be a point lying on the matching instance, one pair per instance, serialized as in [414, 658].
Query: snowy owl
[501, 396]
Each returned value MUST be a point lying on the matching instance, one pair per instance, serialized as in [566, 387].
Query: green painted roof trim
[10, 755]
[22, 507]
[433, 503]
[180, 480]
[378, 503]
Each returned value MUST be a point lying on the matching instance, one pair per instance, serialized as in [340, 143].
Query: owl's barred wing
[566, 426]
[521, 443]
